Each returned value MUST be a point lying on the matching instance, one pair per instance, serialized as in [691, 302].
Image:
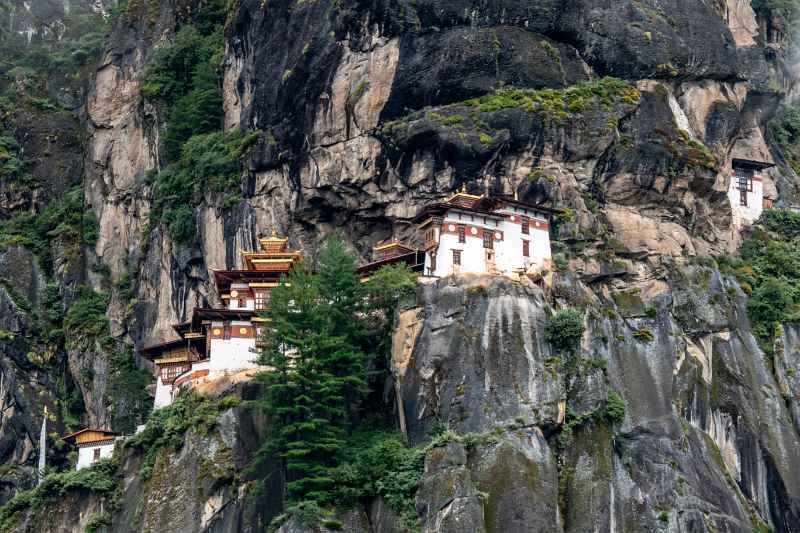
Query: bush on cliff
[209, 163]
[100, 478]
[564, 330]
[769, 270]
[184, 78]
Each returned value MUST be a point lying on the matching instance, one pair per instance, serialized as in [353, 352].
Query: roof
[392, 244]
[484, 205]
[154, 350]
[415, 260]
[72, 436]
[747, 163]
[497, 202]
[440, 208]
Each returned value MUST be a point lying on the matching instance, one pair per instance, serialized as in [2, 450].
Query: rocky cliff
[623, 116]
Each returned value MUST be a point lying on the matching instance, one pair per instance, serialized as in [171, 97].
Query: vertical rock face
[368, 110]
[694, 450]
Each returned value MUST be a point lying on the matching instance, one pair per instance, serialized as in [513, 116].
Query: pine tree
[322, 327]
[317, 370]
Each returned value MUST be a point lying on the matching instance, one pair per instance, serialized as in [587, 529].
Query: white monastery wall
[86, 454]
[755, 202]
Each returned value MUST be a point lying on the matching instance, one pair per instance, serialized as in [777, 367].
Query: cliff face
[367, 110]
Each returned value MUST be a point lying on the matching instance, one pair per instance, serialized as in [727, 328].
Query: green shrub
[379, 463]
[86, 317]
[614, 411]
[166, 427]
[209, 163]
[644, 335]
[101, 478]
[564, 330]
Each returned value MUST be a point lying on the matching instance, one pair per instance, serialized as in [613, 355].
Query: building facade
[222, 340]
[746, 191]
[464, 233]
[479, 234]
[93, 445]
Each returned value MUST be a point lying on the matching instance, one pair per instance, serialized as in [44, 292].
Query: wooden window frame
[526, 248]
[462, 233]
[488, 240]
[456, 257]
[526, 226]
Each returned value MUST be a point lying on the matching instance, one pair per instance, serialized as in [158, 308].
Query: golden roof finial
[274, 233]
[464, 187]
[516, 195]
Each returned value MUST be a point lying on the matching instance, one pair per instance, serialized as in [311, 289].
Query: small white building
[478, 234]
[746, 191]
[93, 445]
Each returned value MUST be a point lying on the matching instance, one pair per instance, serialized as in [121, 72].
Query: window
[96, 455]
[169, 373]
[457, 257]
[488, 239]
[226, 332]
[462, 233]
[261, 300]
[433, 262]
[526, 226]
[526, 249]
[744, 182]
[242, 303]
[429, 237]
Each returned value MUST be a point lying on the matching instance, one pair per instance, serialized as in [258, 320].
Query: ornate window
[456, 257]
[262, 297]
[488, 240]
[744, 182]
[462, 233]
[169, 373]
[526, 249]
[526, 226]
[96, 455]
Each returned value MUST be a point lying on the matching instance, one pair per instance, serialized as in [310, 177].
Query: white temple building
[219, 341]
[479, 234]
[746, 191]
[93, 445]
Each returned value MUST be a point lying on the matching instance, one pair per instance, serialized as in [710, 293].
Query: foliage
[317, 347]
[101, 478]
[86, 326]
[769, 269]
[787, 9]
[317, 375]
[564, 330]
[614, 410]
[184, 77]
[64, 220]
[26, 67]
[208, 163]
[560, 104]
[786, 132]
[379, 463]
[167, 426]
[11, 163]
[86, 317]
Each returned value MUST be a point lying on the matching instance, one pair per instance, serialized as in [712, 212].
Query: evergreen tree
[317, 370]
[321, 327]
